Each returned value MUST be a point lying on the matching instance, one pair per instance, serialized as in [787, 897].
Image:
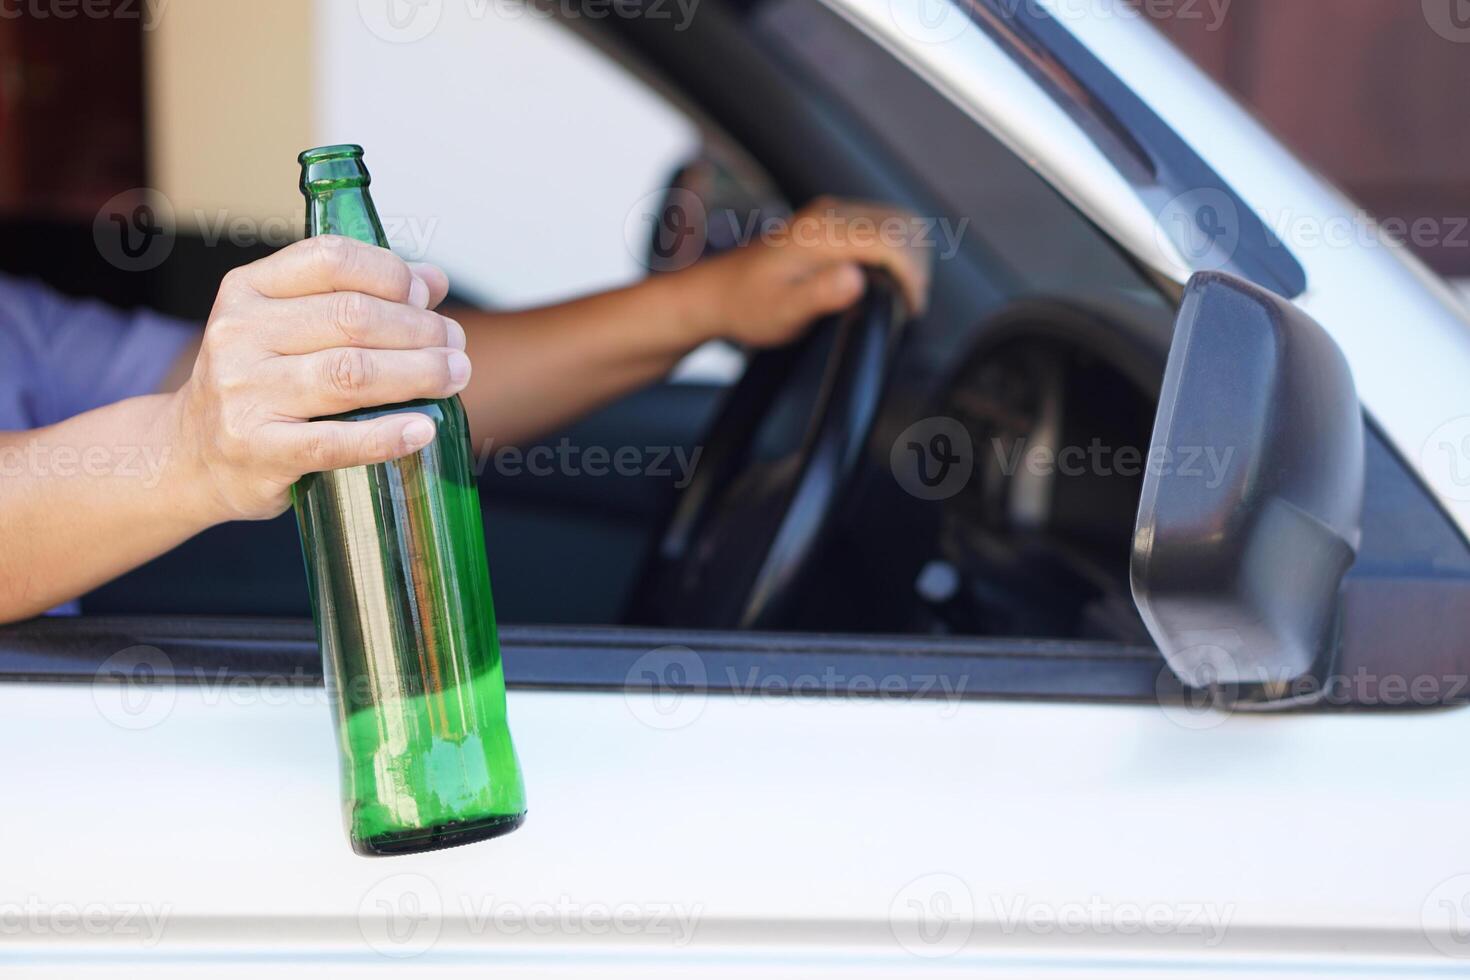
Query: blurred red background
[1364, 90]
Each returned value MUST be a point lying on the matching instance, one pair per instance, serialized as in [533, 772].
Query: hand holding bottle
[324, 326]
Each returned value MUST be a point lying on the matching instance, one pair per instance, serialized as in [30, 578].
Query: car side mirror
[1237, 565]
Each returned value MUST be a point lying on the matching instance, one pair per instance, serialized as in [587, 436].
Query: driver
[122, 435]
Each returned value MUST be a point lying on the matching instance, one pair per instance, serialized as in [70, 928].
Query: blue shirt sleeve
[61, 356]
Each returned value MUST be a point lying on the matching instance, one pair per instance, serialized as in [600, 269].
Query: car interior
[1041, 332]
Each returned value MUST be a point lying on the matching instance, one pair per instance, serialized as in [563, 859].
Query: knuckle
[348, 371]
[236, 439]
[319, 451]
[397, 279]
[331, 253]
[234, 433]
[226, 376]
[228, 381]
[219, 331]
[350, 315]
[431, 330]
[233, 282]
[226, 325]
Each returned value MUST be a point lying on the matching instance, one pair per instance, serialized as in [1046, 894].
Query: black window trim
[197, 649]
[617, 659]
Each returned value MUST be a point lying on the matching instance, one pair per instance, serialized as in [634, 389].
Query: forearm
[537, 369]
[87, 499]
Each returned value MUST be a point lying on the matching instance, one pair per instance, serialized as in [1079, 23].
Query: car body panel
[789, 832]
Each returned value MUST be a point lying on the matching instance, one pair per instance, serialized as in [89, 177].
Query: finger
[305, 324]
[341, 379]
[908, 264]
[825, 290]
[869, 235]
[327, 263]
[912, 273]
[315, 447]
[436, 280]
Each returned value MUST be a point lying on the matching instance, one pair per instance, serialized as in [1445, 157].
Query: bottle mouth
[329, 168]
[335, 151]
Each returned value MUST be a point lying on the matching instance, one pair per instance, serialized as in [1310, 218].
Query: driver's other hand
[766, 293]
[322, 327]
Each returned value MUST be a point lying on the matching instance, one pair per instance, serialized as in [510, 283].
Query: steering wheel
[747, 525]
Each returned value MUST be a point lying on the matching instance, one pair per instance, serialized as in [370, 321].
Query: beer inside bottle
[400, 589]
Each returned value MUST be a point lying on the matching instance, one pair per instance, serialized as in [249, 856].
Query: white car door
[159, 829]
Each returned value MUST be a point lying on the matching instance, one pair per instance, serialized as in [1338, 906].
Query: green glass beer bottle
[400, 589]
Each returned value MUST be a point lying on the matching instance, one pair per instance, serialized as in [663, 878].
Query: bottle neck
[347, 211]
